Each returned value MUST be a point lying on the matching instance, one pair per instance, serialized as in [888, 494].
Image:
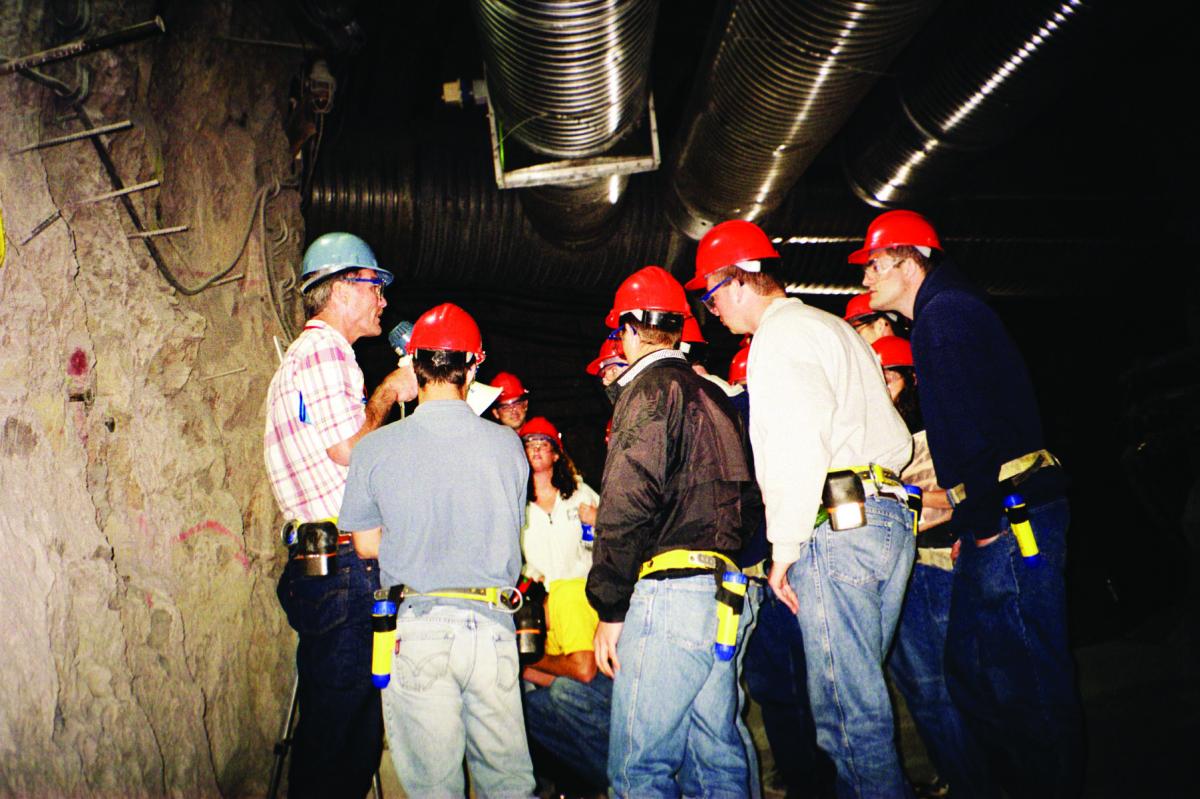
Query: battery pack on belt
[315, 543]
[844, 497]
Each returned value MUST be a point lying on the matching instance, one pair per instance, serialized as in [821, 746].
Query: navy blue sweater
[976, 398]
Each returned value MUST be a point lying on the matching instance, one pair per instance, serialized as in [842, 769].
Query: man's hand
[605, 647]
[399, 386]
[587, 513]
[401, 383]
[777, 579]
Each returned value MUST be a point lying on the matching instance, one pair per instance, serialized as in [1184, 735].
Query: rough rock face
[143, 650]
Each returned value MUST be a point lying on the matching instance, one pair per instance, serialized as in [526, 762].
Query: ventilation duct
[568, 79]
[782, 79]
[977, 96]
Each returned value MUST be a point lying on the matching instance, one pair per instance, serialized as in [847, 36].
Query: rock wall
[143, 650]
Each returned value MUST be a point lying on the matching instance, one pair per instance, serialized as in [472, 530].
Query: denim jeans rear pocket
[864, 557]
[688, 618]
[507, 668]
[424, 655]
[315, 605]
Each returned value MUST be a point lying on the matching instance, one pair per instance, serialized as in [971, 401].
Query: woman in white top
[560, 504]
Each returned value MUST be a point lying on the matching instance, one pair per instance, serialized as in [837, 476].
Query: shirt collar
[445, 406]
[320, 324]
[776, 305]
[648, 360]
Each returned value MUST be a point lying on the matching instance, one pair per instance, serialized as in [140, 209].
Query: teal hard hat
[337, 252]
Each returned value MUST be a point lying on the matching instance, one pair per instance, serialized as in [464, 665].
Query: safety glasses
[707, 298]
[377, 282]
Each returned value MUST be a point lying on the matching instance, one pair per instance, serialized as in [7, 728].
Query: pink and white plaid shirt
[315, 401]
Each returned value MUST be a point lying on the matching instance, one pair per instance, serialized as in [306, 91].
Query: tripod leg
[285, 742]
[377, 786]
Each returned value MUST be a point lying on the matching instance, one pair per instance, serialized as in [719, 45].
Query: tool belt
[846, 491]
[695, 560]
[1012, 473]
[506, 599]
[315, 543]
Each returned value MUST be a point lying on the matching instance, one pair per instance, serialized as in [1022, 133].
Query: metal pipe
[162, 231]
[82, 46]
[108, 195]
[781, 79]
[70, 137]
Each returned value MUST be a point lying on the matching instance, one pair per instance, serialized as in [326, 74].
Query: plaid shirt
[315, 401]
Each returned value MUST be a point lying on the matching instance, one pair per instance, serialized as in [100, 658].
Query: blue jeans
[777, 680]
[850, 584]
[1008, 665]
[338, 739]
[917, 664]
[676, 714]
[570, 719]
[454, 692]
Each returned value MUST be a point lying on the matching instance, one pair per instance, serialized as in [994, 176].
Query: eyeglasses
[515, 405]
[707, 298]
[873, 266]
[377, 282]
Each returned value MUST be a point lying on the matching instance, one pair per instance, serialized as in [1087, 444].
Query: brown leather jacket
[678, 476]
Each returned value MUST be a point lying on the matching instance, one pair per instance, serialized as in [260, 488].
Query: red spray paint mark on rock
[77, 364]
[211, 525]
[149, 600]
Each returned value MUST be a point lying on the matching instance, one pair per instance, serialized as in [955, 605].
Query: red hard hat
[447, 327]
[896, 229]
[651, 288]
[737, 367]
[893, 351]
[611, 352]
[539, 427]
[510, 387]
[727, 244]
[691, 331]
[859, 306]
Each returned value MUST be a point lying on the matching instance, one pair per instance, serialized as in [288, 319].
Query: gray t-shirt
[448, 488]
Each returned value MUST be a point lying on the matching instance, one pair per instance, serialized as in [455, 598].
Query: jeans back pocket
[424, 654]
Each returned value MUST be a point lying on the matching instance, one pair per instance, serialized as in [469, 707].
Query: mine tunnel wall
[144, 650]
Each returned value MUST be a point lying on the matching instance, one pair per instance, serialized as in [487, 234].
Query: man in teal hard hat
[316, 413]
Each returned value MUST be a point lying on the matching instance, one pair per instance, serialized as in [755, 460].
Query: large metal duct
[783, 77]
[569, 79]
[972, 97]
